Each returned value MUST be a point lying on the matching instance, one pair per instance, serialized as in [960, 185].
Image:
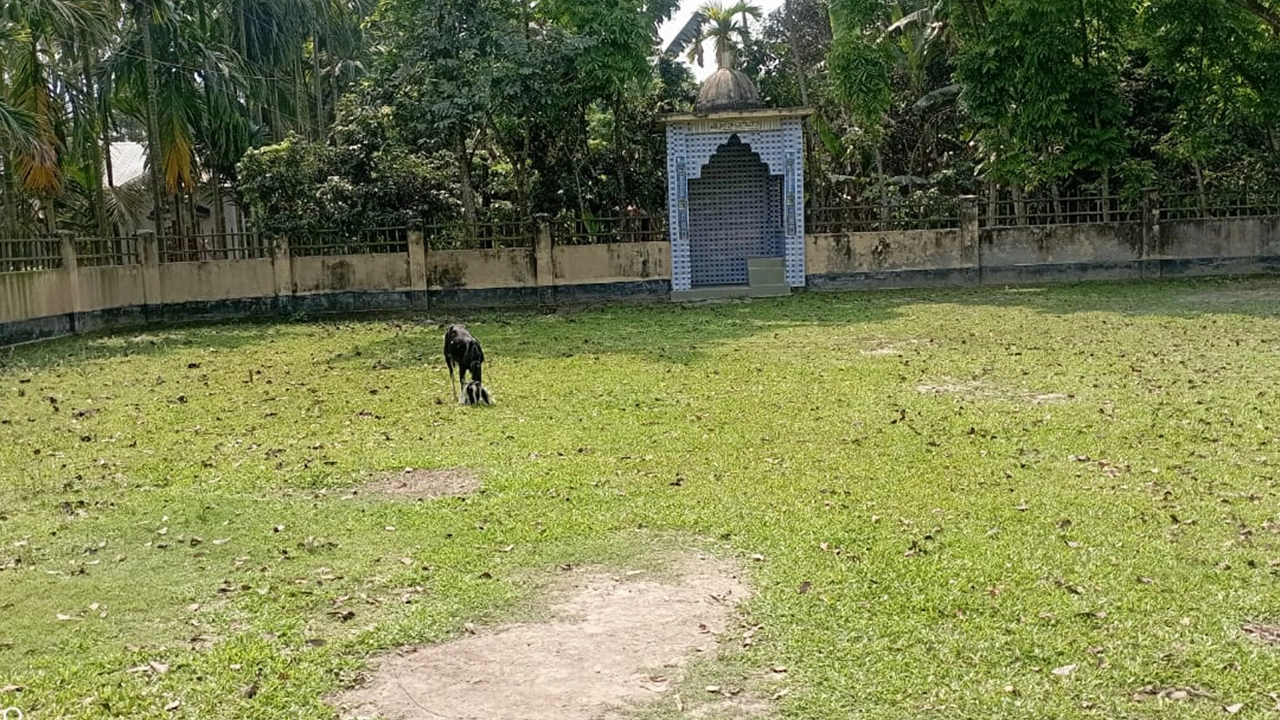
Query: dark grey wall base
[23, 331]
[1062, 273]
[44, 328]
[1193, 267]
[1048, 273]
[642, 291]
[894, 279]
[485, 298]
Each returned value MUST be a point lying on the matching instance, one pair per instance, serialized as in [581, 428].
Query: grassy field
[1022, 503]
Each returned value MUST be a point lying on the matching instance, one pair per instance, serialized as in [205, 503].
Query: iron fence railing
[217, 246]
[27, 254]
[108, 252]
[938, 215]
[481, 235]
[371, 241]
[1244, 202]
[1062, 210]
[594, 231]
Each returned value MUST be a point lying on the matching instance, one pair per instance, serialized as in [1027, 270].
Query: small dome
[727, 89]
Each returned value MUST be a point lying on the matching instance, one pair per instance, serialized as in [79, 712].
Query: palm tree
[727, 26]
[18, 131]
[44, 105]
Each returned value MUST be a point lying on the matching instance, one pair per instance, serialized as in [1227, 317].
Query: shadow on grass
[683, 334]
[1256, 296]
[658, 333]
[146, 341]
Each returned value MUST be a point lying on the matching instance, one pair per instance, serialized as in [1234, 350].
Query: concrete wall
[350, 273]
[1241, 237]
[33, 294]
[1044, 253]
[908, 258]
[623, 262]
[1061, 253]
[215, 280]
[480, 269]
[102, 288]
[39, 304]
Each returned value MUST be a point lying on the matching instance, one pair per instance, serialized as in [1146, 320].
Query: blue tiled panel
[677, 207]
[729, 215]
[688, 154]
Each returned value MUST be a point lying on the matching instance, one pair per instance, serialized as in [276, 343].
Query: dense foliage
[474, 109]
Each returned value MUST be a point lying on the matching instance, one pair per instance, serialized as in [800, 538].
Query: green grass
[957, 546]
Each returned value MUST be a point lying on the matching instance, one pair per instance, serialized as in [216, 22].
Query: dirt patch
[424, 484]
[979, 390]
[896, 348]
[1269, 634]
[614, 642]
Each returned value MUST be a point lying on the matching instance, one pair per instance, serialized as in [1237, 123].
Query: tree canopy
[480, 109]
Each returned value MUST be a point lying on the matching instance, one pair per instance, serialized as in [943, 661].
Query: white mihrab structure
[735, 192]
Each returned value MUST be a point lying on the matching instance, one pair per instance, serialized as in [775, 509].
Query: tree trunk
[219, 212]
[464, 177]
[976, 12]
[522, 175]
[1201, 196]
[95, 152]
[1057, 203]
[315, 71]
[993, 203]
[254, 107]
[191, 212]
[1106, 197]
[153, 145]
[801, 81]
[178, 230]
[623, 200]
[300, 104]
[106, 150]
[277, 119]
[7, 199]
[1019, 206]
[50, 216]
[884, 188]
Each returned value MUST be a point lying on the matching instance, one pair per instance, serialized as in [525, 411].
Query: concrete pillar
[970, 234]
[1150, 251]
[149, 248]
[282, 266]
[417, 258]
[71, 274]
[544, 259]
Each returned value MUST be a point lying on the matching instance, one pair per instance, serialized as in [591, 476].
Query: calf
[476, 394]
